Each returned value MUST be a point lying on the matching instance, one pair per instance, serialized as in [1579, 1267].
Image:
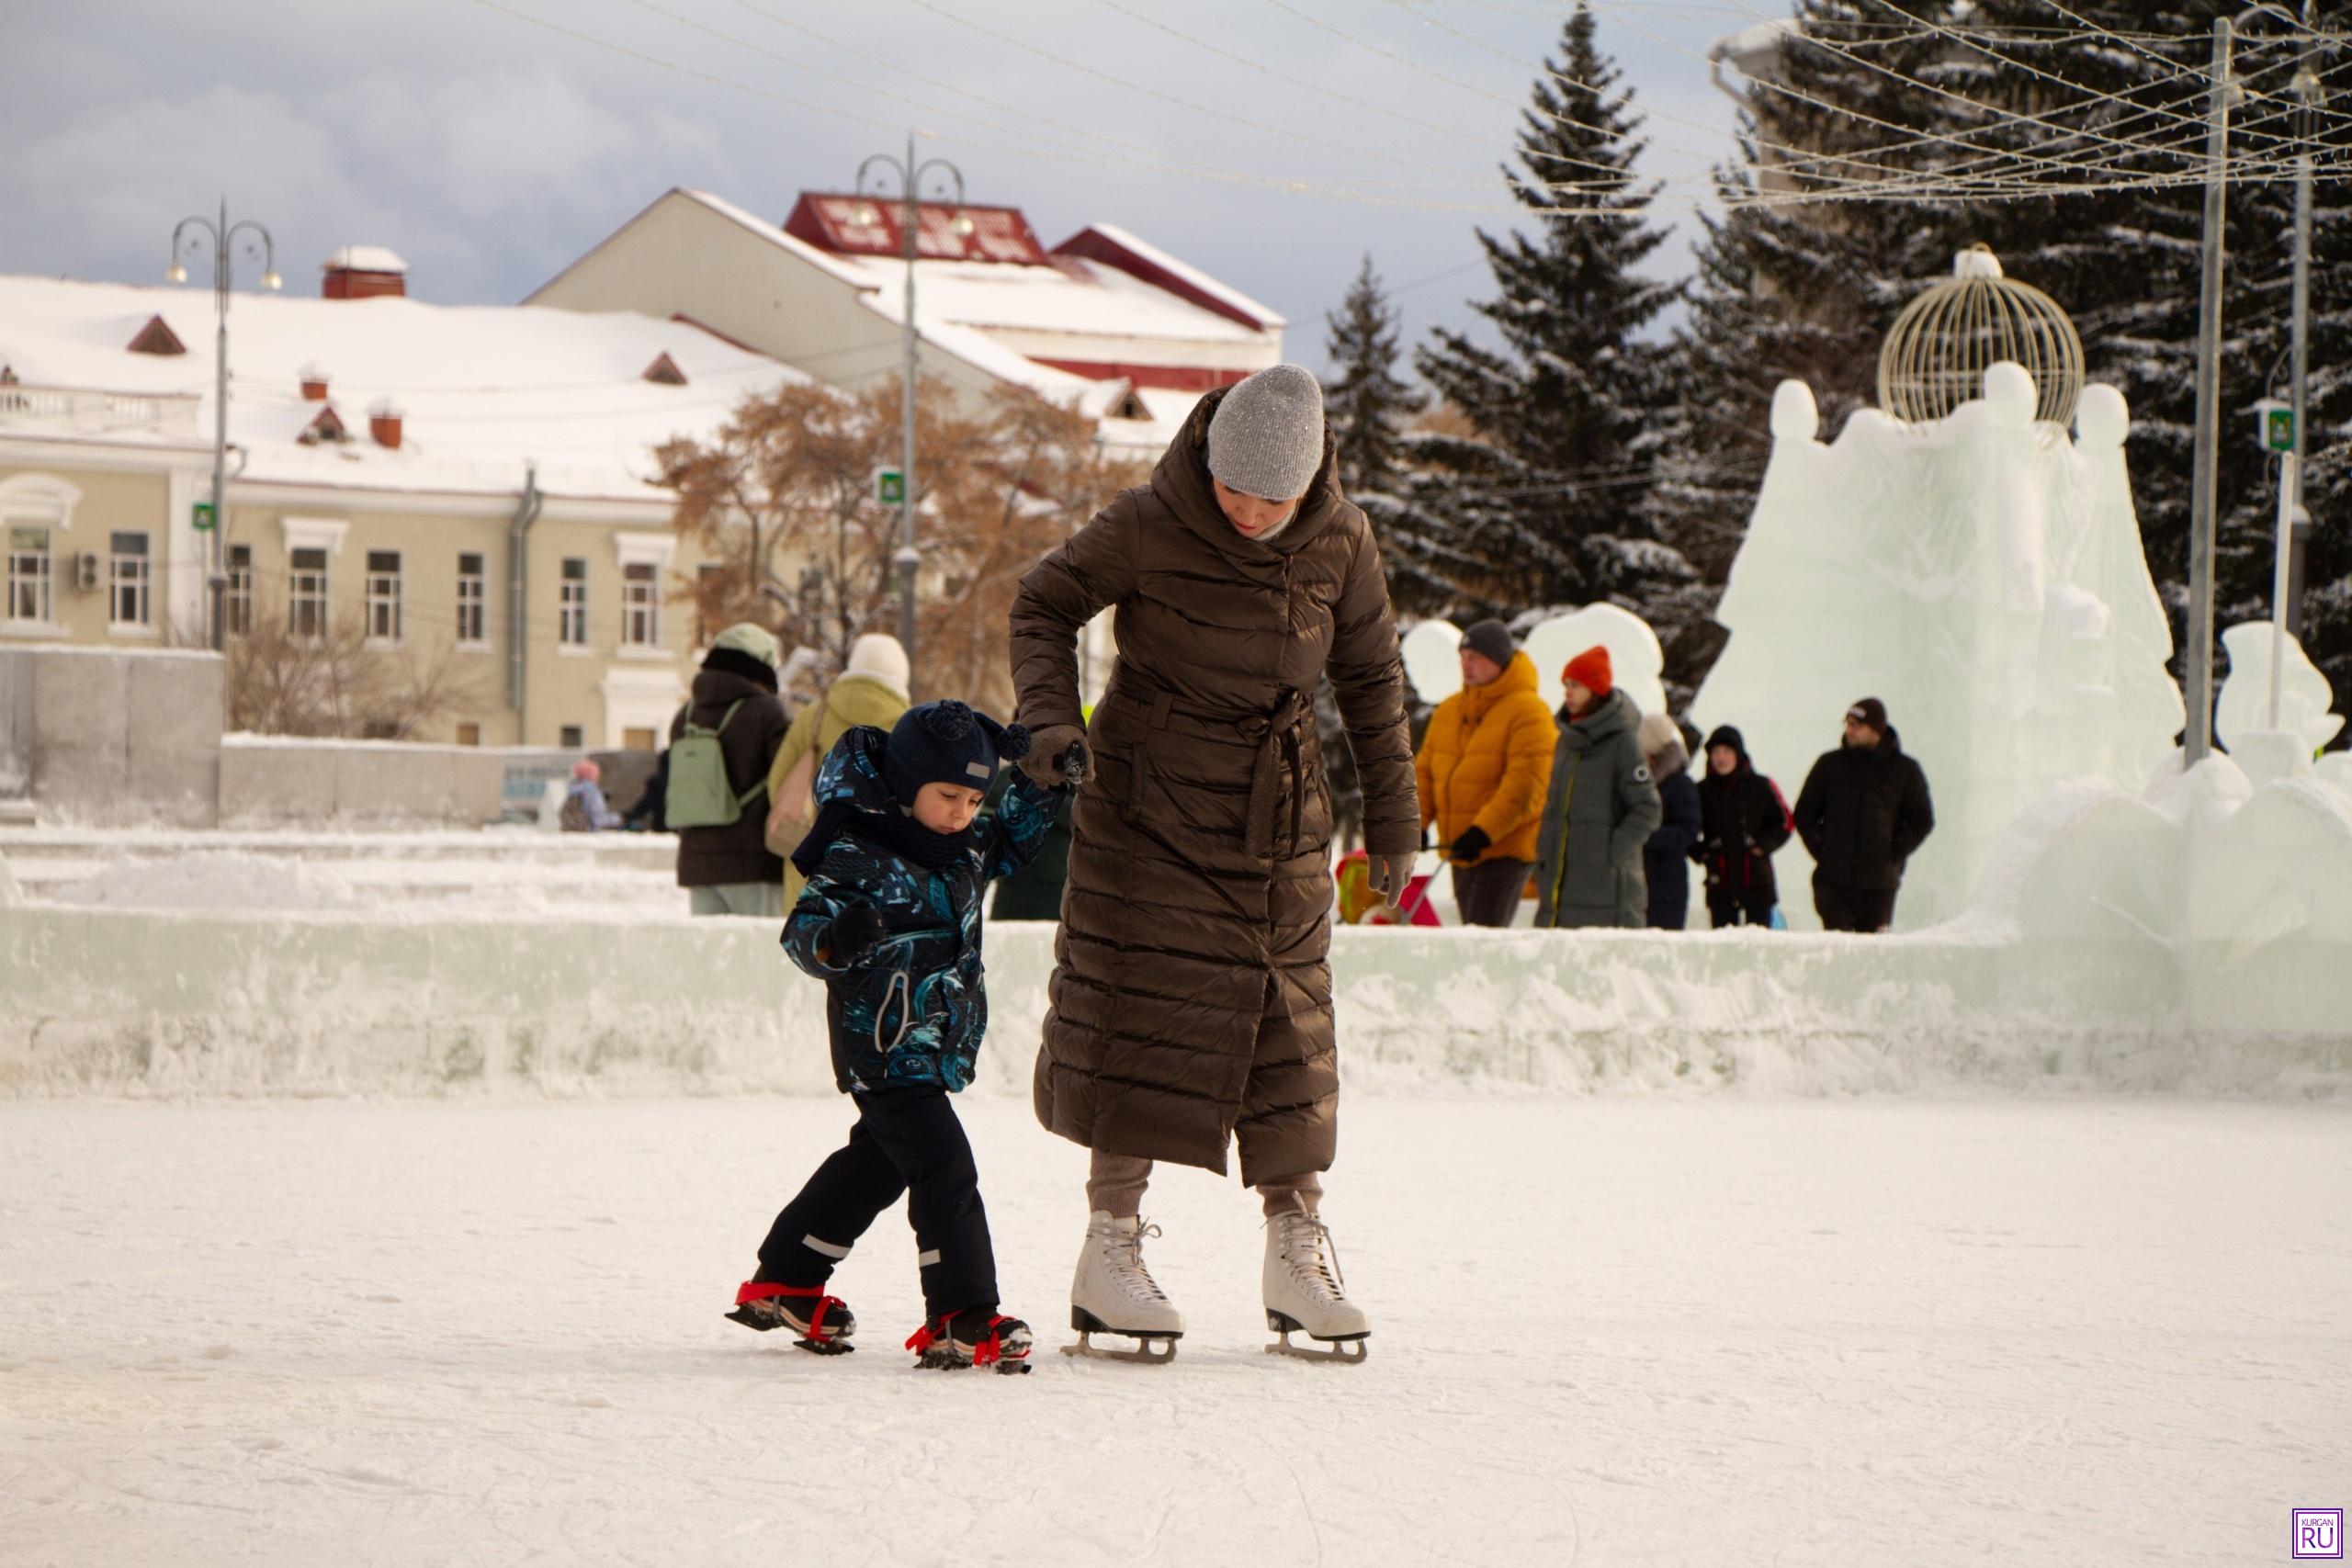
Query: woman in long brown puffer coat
[1192, 991]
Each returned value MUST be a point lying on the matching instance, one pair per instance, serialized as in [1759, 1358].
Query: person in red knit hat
[1600, 809]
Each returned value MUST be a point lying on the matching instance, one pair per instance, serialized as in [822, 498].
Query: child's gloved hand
[855, 932]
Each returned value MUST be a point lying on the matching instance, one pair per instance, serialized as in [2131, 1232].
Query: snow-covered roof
[1191, 276]
[1084, 299]
[483, 390]
[365, 258]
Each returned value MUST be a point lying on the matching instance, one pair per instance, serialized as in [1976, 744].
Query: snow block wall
[119, 1003]
[112, 736]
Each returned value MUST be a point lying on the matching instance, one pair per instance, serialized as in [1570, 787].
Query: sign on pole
[890, 486]
[203, 518]
[2278, 424]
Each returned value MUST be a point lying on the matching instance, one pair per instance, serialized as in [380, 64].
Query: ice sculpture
[1983, 575]
[1433, 662]
[2242, 715]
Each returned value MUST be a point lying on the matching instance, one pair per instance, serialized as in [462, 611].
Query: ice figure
[2242, 715]
[1432, 655]
[1981, 573]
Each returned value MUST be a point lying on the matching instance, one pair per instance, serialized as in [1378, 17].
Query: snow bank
[317, 1002]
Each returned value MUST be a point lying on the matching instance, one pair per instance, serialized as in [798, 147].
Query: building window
[569, 739]
[573, 628]
[472, 595]
[469, 734]
[383, 596]
[641, 605]
[127, 591]
[237, 604]
[29, 569]
[637, 740]
[306, 594]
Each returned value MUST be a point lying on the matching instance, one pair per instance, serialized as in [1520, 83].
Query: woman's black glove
[1469, 847]
[854, 933]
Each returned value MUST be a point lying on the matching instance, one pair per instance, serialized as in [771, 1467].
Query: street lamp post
[258, 247]
[910, 173]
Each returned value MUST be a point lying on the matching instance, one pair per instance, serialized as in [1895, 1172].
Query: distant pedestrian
[871, 690]
[584, 809]
[1600, 809]
[1742, 820]
[1863, 812]
[1483, 768]
[721, 745]
[645, 816]
[1665, 864]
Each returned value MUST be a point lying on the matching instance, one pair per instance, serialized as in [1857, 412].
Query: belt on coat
[1277, 732]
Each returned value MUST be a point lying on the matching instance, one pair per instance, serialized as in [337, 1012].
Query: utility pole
[2285, 585]
[223, 235]
[2204, 482]
[909, 557]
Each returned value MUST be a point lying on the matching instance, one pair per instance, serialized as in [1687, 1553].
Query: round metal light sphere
[1936, 355]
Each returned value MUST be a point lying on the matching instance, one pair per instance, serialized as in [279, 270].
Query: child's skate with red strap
[976, 1336]
[822, 1323]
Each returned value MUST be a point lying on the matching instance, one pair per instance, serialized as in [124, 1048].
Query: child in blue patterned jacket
[890, 921]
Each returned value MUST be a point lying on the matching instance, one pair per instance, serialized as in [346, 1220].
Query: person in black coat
[1665, 861]
[1863, 812]
[1742, 820]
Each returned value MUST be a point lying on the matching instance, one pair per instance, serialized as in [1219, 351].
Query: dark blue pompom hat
[948, 742]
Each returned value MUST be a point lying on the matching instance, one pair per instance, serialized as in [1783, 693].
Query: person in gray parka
[1600, 810]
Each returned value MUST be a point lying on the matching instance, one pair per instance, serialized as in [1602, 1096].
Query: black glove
[1057, 756]
[854, 933]
[1388, 874]
[1469, 847]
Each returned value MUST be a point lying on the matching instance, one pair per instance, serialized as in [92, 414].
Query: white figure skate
[1305, 1294]
[1113, 1292]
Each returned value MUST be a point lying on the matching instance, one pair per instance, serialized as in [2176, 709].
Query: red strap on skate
[922, 1339]
[767, 1289]
[991, 1348]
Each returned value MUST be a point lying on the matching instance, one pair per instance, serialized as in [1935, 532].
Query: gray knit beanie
[1266, 438]
[1491, 638]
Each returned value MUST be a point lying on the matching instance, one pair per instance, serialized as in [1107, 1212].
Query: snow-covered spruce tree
[1547, 496]
[1797, 277]
[2123, 257]
[1368, 405]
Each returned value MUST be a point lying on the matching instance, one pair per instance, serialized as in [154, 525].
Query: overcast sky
[490, 151]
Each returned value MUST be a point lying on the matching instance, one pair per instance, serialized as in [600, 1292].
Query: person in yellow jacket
[1485, 765]
[872, 690]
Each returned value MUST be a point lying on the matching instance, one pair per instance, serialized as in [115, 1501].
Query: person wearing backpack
[871, 690]
[721, 746]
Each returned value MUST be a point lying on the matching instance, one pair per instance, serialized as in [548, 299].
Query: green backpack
[700, 795]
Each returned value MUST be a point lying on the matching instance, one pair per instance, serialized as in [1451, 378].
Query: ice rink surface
[1618, 1331]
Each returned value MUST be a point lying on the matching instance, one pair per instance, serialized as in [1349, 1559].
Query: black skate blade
[825, 1347]
[751, 1320]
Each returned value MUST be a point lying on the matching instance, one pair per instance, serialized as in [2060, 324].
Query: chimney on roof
[314, 384]
[384, 425]
[363, 272]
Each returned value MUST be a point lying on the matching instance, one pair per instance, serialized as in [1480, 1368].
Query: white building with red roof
[1127, 333]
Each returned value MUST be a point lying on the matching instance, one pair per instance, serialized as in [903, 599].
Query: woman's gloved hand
[1057, 756]
[1388, 874]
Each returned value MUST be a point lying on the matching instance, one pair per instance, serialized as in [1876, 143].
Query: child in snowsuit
[890, 921]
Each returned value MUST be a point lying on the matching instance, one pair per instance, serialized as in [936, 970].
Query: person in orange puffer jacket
[1484, 767]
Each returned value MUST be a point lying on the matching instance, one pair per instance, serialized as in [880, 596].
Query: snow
[1738, 1333]
[367, 258]
[1265, 314]
[483, 390]
[1083, 299]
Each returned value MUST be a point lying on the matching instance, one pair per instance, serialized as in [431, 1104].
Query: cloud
[476, 178]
